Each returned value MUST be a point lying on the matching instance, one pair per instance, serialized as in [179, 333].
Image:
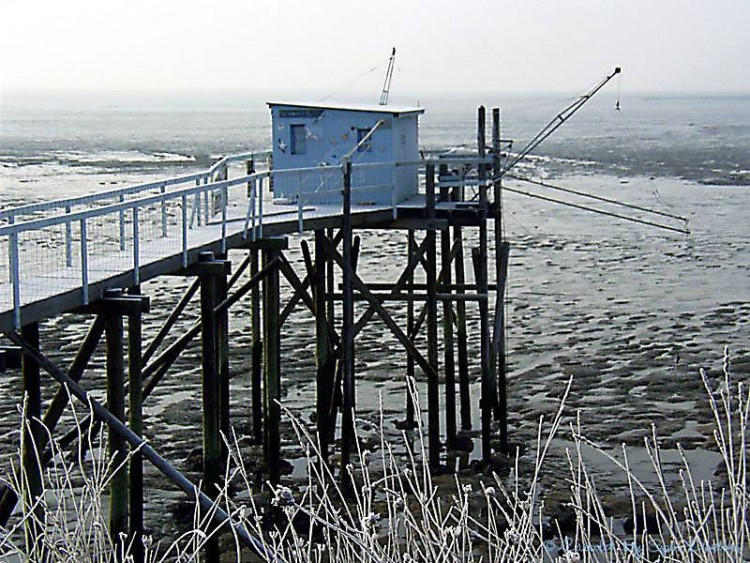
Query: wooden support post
[113, 330]
[461, 338]
[325, 366]
[272, 368]
[135, 365]
[256, 350]
[222, 337]
[32, 432]
[410, 421]
[448, 347]
[479, 256]
[497, 358]
[333, 238]
[210, 272]
[433, 391]
[347, 327]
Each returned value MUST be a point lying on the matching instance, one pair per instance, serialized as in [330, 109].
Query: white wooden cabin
[316, 135]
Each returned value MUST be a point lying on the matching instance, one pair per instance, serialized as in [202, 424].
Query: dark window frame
[297, 143]
[361, 134]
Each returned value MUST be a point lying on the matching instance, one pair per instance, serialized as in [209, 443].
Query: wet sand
[630, 312]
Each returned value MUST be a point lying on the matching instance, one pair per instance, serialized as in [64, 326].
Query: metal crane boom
[388, 76]
[556, 121]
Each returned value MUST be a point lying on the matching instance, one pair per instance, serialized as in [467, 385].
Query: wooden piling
[222, 337]
[210, 376]
[113, 330]
[325, 370]
[209, 271]
[448, 345]
[32, 433]
[448, 317]
[498, 366]
[433, 397]
[461, 334]
[410, 410]
[347, 326]
[480, 270]
[336, 399]
[135, 419]
[256, 350]
[272, 368]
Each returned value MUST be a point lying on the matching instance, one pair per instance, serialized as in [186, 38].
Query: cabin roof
[369, 108]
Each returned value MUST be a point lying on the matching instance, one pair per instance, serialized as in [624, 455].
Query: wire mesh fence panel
[56, 248]
[324, 185]
[44, 262]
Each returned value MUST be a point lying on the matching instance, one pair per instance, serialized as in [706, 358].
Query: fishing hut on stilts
[336, 170]
[374, 179]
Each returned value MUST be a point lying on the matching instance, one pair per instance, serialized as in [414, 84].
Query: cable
[600, 198]
[347, 84]
[601, 212]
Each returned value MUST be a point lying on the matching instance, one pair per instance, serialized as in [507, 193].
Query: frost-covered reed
[391, 508]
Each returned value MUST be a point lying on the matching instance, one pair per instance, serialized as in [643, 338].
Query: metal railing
[67, 245]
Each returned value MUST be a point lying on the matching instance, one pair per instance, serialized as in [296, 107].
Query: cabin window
[367, 145]
[298, 139]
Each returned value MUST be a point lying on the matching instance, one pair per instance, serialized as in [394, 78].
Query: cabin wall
[330, 134]
[406, 143]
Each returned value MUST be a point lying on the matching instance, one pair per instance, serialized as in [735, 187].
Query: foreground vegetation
[396, 511]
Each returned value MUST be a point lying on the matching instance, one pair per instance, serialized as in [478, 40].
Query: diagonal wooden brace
[362, 288]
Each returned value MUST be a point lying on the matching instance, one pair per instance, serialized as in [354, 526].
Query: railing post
[250, 170]
[260, 206]
[206, 211]
[136, 248]
[122, 224]
[196, 212]
[224, 197]
[84, 263]
[162, 190]
[15, 279]
[251, 210]
[11, 221]
[184, 232]
[300, 223]
[68, 240]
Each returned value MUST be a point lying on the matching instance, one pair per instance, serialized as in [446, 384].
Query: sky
[332, 46]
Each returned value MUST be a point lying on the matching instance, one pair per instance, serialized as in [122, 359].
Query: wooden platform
[163, 256]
